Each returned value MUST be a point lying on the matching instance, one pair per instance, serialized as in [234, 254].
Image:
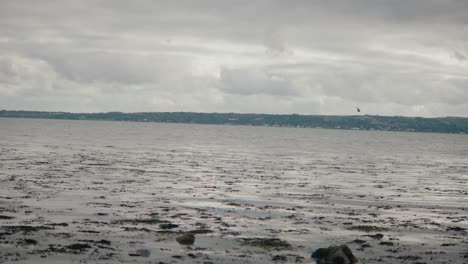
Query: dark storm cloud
[320, 57]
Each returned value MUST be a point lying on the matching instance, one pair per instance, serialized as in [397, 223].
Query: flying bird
[358, 110]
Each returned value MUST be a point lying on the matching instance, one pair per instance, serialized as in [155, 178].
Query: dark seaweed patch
[265, 242]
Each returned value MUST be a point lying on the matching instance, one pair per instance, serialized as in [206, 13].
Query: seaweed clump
[266, 243]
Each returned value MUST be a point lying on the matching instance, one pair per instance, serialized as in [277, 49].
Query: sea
[259, 180]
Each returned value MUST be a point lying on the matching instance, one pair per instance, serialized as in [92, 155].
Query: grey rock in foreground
[335, 255]
[186, 239]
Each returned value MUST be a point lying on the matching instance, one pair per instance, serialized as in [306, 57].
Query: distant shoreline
[452, 125]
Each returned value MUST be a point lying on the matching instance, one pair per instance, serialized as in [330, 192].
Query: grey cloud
[459, 56]
[116, 67]
[33, 84]
[19, 74]
[235, 20]
[254, 81]
[396, 88]
[275, 43]
[392, 57]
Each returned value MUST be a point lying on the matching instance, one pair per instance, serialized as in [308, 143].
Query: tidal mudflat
[110, 192]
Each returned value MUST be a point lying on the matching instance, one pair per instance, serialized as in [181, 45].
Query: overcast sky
[389, 57]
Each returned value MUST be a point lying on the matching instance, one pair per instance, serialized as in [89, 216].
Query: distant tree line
[358, 122]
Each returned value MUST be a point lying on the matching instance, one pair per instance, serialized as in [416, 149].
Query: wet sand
[81, 202]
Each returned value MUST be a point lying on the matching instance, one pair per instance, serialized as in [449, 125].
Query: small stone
[359, 241]
[376, 236]
[28, 241]
[168, 226]
[187, 239]
[280, 258]
[79, 246]
[386, 243]
[192, 255]
[104, 242]
[143, 253]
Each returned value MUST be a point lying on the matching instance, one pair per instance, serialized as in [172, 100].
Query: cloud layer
[307, 57]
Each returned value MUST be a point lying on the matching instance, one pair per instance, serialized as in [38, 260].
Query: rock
[376, 236]
[28, 241]
[456, 228]
[103, 242]
[335, 255]
[359, 241]
[280, 258]
[59, 224]
[186, 239]
[141, 253]
[192, 255]
[168, 226]
[386, 243]
[79, 247]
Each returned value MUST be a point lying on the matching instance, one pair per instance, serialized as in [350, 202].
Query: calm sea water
[300, 143]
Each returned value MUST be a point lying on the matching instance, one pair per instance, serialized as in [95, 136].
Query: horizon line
[236, 113]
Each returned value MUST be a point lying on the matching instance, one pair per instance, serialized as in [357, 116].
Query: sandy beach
[108, 192]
